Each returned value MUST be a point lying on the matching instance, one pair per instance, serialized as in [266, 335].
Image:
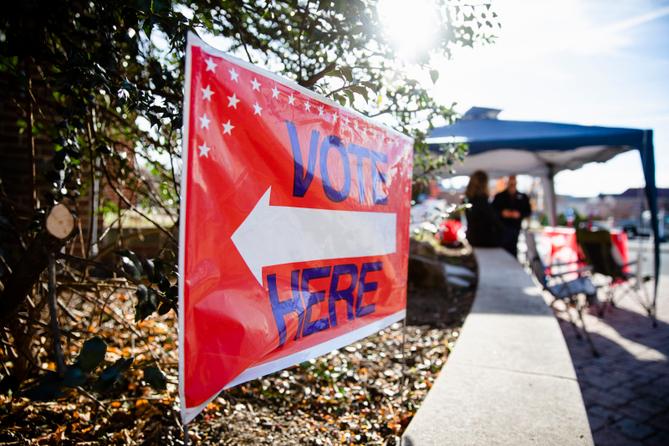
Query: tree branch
[311, 80]
[133, 207]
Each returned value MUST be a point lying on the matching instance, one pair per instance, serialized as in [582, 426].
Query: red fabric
[564, 247]
[449, 231]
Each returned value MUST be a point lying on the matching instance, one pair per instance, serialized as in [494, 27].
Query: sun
[411, 27]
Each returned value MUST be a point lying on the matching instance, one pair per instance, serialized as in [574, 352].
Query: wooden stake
[53, 317]
[186, 437]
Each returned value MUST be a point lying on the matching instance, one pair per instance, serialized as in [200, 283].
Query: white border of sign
[185, 416]
[189, 413]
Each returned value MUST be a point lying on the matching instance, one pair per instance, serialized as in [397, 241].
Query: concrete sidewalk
[626, 389]
[510, 379]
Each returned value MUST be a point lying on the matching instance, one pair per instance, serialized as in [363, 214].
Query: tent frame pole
[549, 194]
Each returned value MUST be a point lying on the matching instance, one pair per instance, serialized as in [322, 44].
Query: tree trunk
[25, 273]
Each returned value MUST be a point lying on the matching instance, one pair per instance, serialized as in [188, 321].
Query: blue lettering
[364, 287]
[280, 309]
[302, 180]
[332, 193]
[361, 153]
[378, 177]
[314, 298]
[345, 294]
[303, 176]
[352, 295]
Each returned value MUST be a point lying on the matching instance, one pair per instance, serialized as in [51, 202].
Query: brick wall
[23, 176]
[16, 160]
[25, 190]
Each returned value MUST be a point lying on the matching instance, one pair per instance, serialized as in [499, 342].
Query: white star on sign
[232, 101]
[344, 119]
[206, 93]
[307, 106]
[204, 121]
[233, 75]
[257, 109]
[320, 111]
[227, 128]
[275, 92]
[204, 150]
[291, 99]
[255, 84]
[211, 65]
[334, 117]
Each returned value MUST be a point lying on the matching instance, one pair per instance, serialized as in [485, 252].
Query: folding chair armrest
[558, 264]
[579, 271]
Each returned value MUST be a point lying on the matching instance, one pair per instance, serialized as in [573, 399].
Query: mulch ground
[365, 393]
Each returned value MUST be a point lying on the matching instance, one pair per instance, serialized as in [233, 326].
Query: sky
[592, 62]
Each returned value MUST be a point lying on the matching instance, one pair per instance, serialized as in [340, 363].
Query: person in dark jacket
[512, 207]
[484, 227]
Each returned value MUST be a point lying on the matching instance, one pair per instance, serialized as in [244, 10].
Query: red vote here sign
[294, 228]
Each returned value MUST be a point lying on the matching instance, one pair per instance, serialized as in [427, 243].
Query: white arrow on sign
[274, 235]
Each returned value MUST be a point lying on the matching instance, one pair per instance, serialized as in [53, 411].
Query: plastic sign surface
[294, 231]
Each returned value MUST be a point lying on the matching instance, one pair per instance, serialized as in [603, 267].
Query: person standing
[484, 227]
[512, 207]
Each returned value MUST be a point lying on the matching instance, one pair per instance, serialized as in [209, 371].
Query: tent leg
[549, 195]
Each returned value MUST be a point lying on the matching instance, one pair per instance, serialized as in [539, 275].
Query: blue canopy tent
[503, 147]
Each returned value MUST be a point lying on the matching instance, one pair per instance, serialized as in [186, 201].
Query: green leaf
[92, 354]
[111, 374]
[74, 377]
[150, 269]
[434, 75]
[147, 302]
[131, 263]
[163, 308]
[154, 377]
[48, 388]
[346, 72]
[359, 89]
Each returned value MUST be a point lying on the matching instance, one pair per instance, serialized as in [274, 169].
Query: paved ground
[516, 389]
[626, 389]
